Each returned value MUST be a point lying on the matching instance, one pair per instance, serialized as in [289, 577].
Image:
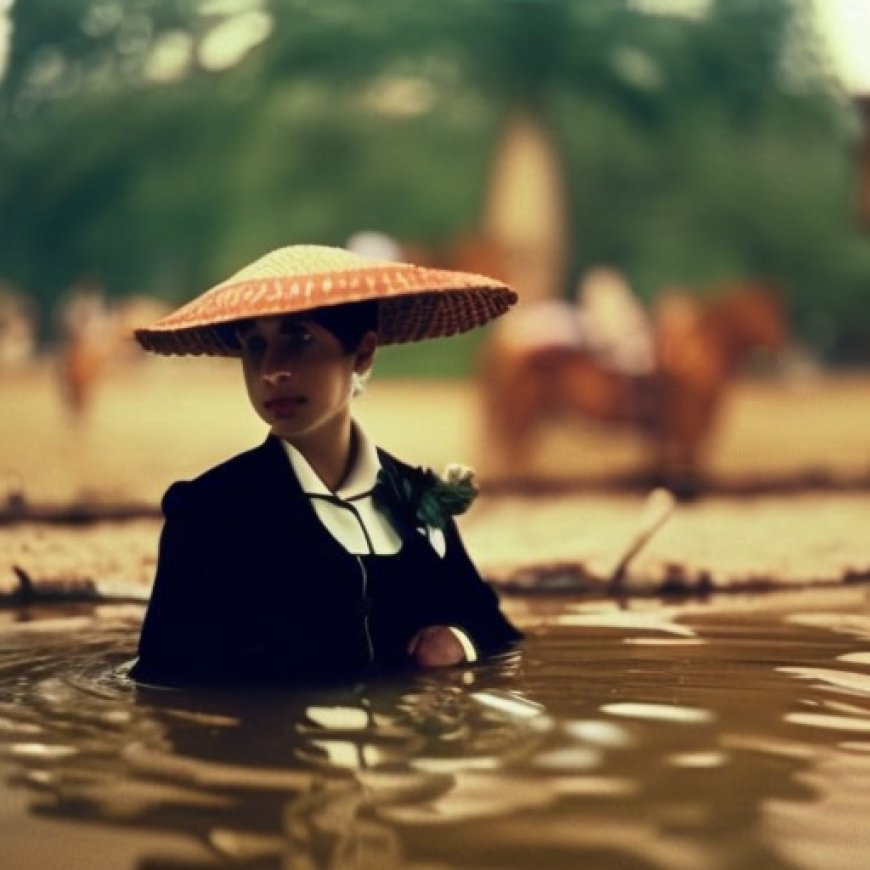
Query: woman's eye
[299, 337]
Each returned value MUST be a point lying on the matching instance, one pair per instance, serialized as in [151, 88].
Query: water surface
[723, 734]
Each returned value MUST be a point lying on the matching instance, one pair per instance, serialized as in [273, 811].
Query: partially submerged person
[316, 556]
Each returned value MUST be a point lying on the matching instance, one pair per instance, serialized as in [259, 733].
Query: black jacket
[252, 588]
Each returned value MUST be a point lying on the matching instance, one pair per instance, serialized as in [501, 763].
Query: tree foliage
[695, 149]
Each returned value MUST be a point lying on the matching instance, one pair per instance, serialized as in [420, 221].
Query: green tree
[695, 149]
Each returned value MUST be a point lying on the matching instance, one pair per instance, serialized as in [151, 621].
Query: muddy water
[729, 734]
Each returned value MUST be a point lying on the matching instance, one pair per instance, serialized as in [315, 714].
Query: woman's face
[298, 376]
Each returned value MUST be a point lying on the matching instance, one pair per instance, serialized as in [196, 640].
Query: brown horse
[699, 344]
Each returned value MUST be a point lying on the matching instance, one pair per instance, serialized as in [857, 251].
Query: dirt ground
[789, 470]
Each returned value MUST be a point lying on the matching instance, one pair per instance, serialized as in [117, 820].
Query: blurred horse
[697, 346]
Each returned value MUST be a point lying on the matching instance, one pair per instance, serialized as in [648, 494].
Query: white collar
[360, 480]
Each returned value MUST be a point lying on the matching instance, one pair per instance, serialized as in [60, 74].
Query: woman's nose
[275, 369]
[276, 376]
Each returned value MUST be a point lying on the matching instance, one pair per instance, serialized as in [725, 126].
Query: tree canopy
[160, 144]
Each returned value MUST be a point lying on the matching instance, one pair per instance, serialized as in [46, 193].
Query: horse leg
[508, 410]
[692, 415]
[517, 415]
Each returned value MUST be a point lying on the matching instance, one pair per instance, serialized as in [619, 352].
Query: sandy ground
[161, 420]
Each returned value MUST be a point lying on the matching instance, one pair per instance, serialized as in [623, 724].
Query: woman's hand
[436, 646]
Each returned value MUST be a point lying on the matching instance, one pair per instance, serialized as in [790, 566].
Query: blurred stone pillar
[525, 210]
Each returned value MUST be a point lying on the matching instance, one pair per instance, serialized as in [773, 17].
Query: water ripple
[575, 753]
[851, 681]
[660, 712]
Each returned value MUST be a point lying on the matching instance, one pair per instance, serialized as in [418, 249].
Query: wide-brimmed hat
[415, 302]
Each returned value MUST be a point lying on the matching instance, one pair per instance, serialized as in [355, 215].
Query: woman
[316, 556]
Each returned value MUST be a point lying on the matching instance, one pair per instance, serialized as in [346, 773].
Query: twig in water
[657, 509]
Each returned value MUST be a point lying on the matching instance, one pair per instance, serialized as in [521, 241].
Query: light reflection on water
[643, 737]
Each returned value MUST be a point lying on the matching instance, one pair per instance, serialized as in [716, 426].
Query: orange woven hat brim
[415, 302]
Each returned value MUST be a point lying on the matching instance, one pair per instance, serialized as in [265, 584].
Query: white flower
[456, 474]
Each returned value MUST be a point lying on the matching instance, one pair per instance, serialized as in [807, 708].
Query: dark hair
[348, 323]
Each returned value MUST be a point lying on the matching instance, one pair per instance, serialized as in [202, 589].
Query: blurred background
[625, 164]
[679, 190]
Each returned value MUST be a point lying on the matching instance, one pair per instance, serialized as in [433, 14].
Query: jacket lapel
[282, 521]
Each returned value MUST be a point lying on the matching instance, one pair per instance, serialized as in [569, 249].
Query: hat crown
[299, 261]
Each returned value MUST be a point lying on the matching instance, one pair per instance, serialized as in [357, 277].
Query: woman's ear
[364, 356]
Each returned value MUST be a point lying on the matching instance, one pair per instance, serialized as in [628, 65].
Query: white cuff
[465, 643]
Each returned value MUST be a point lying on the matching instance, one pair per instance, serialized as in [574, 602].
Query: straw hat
[415, 302]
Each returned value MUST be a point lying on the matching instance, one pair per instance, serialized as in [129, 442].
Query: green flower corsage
[421, 497]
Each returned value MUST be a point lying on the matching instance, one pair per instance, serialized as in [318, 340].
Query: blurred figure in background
[606, 321]
[17, 327]
[616, 326]
[375, 244]
[126, 315]
[86, 338]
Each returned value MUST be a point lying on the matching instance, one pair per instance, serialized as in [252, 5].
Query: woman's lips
[284, 406]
